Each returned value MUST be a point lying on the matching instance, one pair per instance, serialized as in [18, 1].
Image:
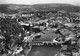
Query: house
[45, 39]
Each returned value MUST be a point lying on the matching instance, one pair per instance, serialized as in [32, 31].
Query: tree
[6, 9]
[11, 35]
[3, 8]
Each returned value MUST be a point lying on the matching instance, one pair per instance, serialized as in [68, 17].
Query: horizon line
[36, 3]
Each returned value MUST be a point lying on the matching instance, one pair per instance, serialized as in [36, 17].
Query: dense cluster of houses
[34, 23]
[58, 16]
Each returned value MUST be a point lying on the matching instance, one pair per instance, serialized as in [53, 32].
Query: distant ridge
[44, 7]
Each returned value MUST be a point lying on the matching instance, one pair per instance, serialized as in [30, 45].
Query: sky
[31, 2]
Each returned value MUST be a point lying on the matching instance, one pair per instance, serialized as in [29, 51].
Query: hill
[38, 7]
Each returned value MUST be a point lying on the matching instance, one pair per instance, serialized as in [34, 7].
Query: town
[61, 29]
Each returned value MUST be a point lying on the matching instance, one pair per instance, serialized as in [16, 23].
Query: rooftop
[50, 36]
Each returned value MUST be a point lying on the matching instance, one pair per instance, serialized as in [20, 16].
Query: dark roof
[47, 37]
[77, 21]
[50, 36]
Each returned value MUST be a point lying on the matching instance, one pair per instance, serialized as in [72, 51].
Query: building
[45, 40]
